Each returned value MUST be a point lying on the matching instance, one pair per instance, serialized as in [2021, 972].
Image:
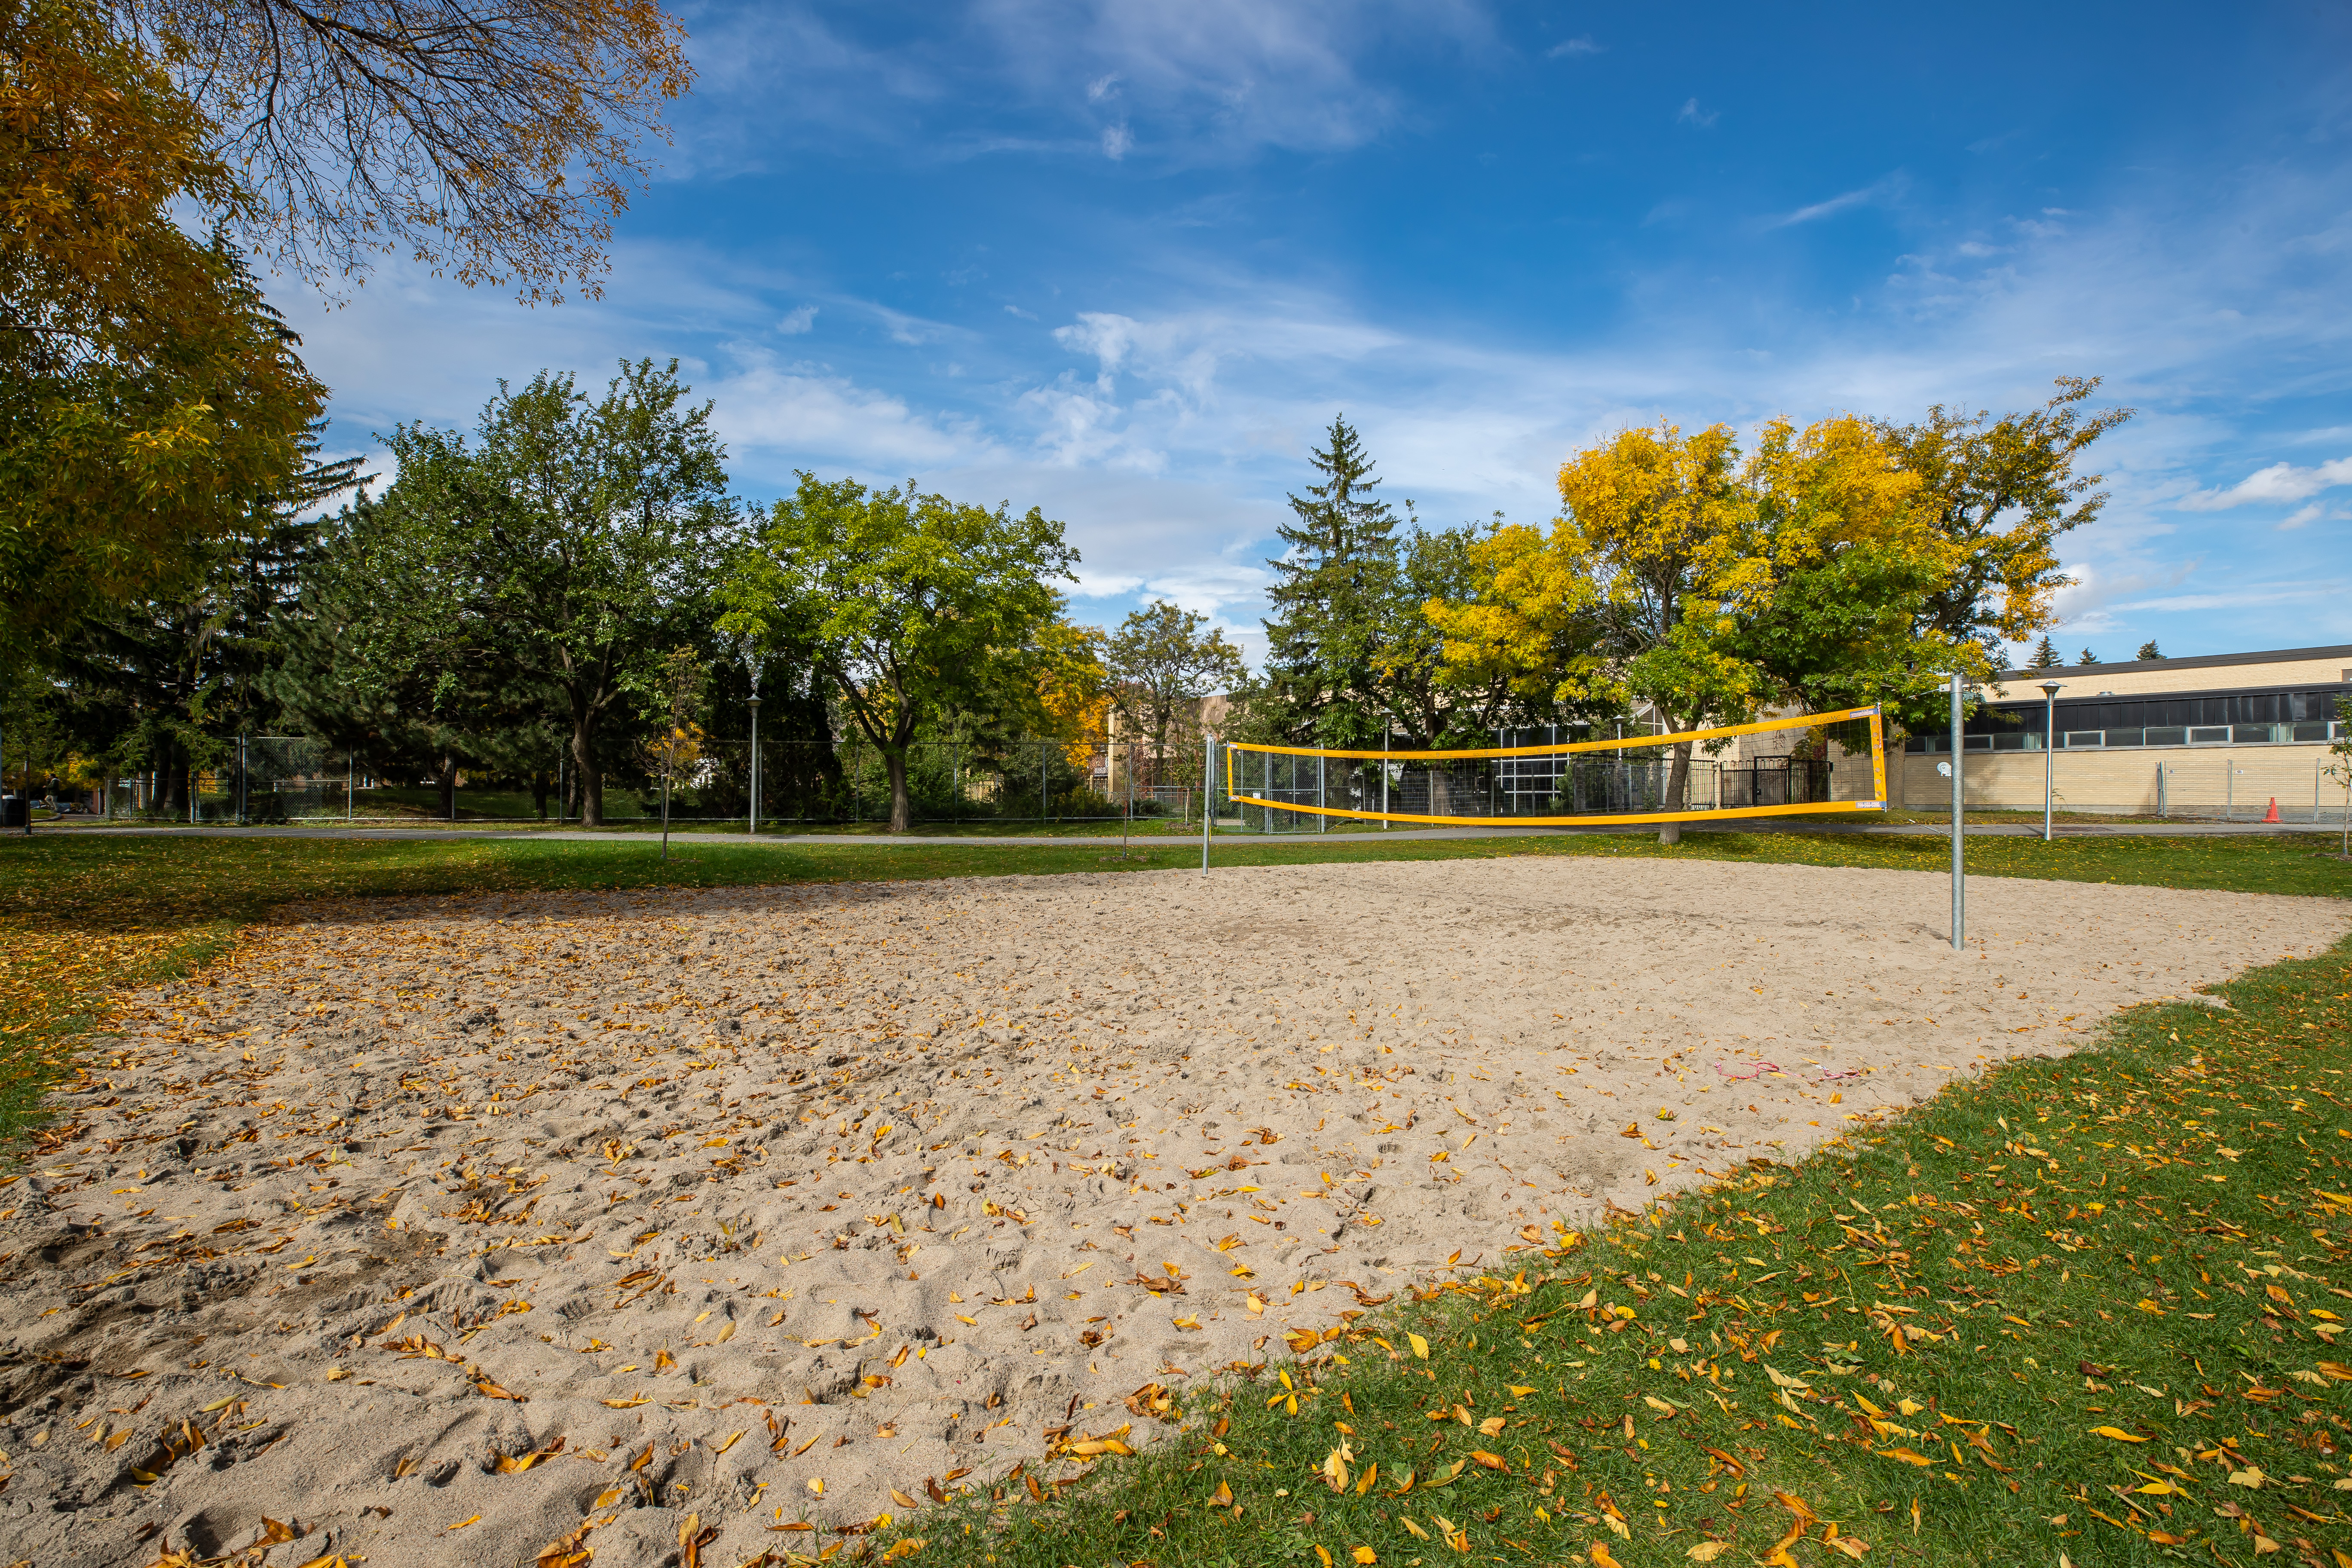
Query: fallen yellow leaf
[1420, 1346]
[2118, 1434]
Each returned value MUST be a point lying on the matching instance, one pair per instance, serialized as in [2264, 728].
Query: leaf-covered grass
[2079, 1310]
[84, 917]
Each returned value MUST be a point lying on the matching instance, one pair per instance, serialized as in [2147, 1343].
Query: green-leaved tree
[1163, 660]
[913, 606]
[575, 543]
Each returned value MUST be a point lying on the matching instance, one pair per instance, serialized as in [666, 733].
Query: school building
[2224, 736]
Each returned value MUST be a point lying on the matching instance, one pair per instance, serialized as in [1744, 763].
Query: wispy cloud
[1691, 114]
[797, 322]
[1569, 48]
[2280, 482]
[1871, 194]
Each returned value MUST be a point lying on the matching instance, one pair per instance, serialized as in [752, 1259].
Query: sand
[442, 1230]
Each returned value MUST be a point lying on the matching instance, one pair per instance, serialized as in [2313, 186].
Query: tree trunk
[902, 805]
[1677, 791]
[539, 785]
[583, 763]
[448, 766]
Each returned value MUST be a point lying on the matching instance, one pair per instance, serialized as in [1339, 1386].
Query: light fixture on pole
[2049, 752]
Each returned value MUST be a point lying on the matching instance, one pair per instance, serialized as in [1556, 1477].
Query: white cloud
[2251, 596]
[2314, 512]
[812, 416]
[2279, 482]
[1117, 140]
[1206, 82]
[1868, 195]
[1691, 114]
[1569, 48]
[798, 321]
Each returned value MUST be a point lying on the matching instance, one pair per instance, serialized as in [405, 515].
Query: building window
[2075, 738]
[2209, 735]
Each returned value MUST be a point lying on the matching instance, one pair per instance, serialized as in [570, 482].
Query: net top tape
[1802, 721]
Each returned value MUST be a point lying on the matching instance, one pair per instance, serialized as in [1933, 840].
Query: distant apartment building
[2224, 735]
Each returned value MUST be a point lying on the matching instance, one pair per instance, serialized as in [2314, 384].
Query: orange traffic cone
[2272, 815]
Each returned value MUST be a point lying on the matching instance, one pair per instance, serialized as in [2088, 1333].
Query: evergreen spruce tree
[2149, 650]
[1331, 591]
[159, 684]
[2087, 657]
[2046, 655]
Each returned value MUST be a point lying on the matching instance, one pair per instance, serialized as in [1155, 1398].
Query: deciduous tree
[2000, 491]
[583, 538]
[914, 607]
[495, 141]
[1163, 660]
[149, 400]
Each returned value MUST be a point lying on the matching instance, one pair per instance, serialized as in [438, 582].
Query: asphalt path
[100, 828]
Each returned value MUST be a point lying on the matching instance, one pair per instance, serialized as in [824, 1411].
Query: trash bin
[12, 812]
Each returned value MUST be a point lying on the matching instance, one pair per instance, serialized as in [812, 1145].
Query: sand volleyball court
[442, 1231]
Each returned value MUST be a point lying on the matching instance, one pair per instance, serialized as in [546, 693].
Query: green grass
[2151, 1238]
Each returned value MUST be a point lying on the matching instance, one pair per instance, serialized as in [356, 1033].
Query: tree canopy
[149, 400]
[493, 141]
[912, 605]
[1843, 564]
[1161, 661]
[570, 546]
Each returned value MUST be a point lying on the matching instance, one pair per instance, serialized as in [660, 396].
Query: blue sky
[1125, 261]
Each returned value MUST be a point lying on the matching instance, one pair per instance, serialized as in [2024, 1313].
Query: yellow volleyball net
[1808, 764]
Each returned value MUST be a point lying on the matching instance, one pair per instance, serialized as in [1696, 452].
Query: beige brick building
[2222, 736]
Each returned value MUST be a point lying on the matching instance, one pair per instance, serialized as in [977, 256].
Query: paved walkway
[99, 826]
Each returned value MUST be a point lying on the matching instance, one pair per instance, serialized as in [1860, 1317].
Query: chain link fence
[268, 779]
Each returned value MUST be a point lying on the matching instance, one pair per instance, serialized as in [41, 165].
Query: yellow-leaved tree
[149, 400]
[1627, 599]
[1684, 578]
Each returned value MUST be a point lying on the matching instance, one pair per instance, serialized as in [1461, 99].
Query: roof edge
[2199, 661]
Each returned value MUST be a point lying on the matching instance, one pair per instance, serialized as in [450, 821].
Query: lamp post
[754, 828]
[2049, 752]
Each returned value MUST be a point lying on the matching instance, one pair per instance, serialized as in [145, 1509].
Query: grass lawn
[2077, 1311]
